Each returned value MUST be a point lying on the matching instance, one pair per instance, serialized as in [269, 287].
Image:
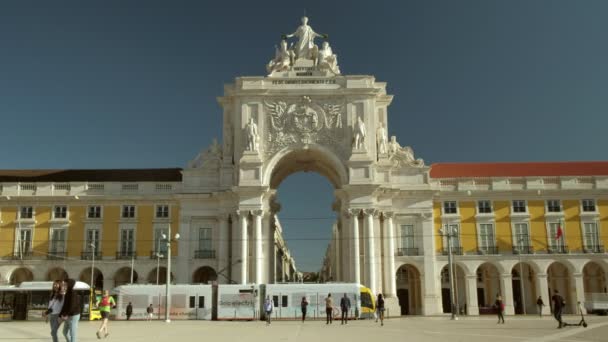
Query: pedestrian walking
[129, 311]
[558, 305]
[149, 313]
[540, 304]
[329, 309]
[380, 308]
[304, 306]
[345, 307]
[268, 309]
[500, 309]
[54, 308]
[70, 312]
[105, 304]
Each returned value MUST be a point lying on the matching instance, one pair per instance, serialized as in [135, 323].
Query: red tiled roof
[102, 175]
[532, 169]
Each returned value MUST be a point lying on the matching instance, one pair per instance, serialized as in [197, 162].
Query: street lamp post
[448, 232]
[521, 276]
[92, 245]
[168, 240]
[158, 256]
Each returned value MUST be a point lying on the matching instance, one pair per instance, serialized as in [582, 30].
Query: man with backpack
[558, 306]
[105, 304]
[150, 312]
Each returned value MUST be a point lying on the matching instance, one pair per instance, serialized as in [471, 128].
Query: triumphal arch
[306, 115]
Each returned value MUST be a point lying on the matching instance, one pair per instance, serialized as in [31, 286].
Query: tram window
[275, 301]
[366, 300]
[192, 301]
[201, 302]
[284, 301]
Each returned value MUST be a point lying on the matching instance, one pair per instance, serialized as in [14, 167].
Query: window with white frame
[519, 206]
[589, 205]
[484, 207]
[160, 245]
[58, 238]
[486, 236]
[60, 212]
[162, 211]
[24, 243]
[454, 228]
[127, 241]
[554, 206]
[591, 235]
[128, 211]
[407, 236]
[92, 239]
[94, 212]
[204, 239]
[521, 234]
[556, 242]
[26, 212]
[450, 207]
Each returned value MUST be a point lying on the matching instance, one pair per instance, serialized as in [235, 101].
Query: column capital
[371, 212]
[577, 275]
[352, 212]
[426, 215]
[257, 212]
[388, 215]
[471, 276]
[241, 212]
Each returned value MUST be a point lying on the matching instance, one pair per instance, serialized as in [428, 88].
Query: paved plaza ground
[397, 329]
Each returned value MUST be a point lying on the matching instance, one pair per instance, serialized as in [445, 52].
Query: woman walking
[54, 308]
[70, 312]
[105, 304]
[304, 306]
[500, 308]
[380, 308]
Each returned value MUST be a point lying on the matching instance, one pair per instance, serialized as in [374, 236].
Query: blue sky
[133, 84]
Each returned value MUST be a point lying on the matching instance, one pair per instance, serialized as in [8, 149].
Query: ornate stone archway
[305, 116]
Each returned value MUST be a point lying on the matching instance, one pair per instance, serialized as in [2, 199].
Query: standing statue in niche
[359, 134]
[381, 139]
[253, 137]
[306, 47]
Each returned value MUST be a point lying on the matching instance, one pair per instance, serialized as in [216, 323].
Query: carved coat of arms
[304, 121]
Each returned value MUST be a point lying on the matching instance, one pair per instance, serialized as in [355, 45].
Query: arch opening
[524, 282]
[20, 275]
[158, 276]
[56, 273]
[459, 289]
[560, 278]
[204, 275]
[123, 276]
[409, 290]
[85, 277]
[488, 287]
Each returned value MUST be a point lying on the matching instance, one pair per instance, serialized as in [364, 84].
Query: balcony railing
[455, 250]
[558, 249]
[204, 254]
[523, 250]
[23, 254]
[407, 251]
[487, 250]
[56, 255]
[126, 255]
[158, 254]
[89, 255]
[594, 249]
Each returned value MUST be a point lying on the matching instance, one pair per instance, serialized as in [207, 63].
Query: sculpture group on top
[305, 49]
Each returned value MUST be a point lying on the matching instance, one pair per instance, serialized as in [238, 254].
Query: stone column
[356, 255]
[579, 287]
[506, 284]
[390, 284]
[243, 217]
[336, 258]
[370, 255]
[431, 278]
[259, 255]
[472, 303]
[223, 246]
[542, 289]
[347, 258]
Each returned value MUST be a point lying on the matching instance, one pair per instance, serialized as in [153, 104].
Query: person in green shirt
[105, 304]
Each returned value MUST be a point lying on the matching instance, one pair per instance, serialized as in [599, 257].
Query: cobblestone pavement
[397, 329]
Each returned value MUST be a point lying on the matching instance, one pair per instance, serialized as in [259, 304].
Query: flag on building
[559, 231]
